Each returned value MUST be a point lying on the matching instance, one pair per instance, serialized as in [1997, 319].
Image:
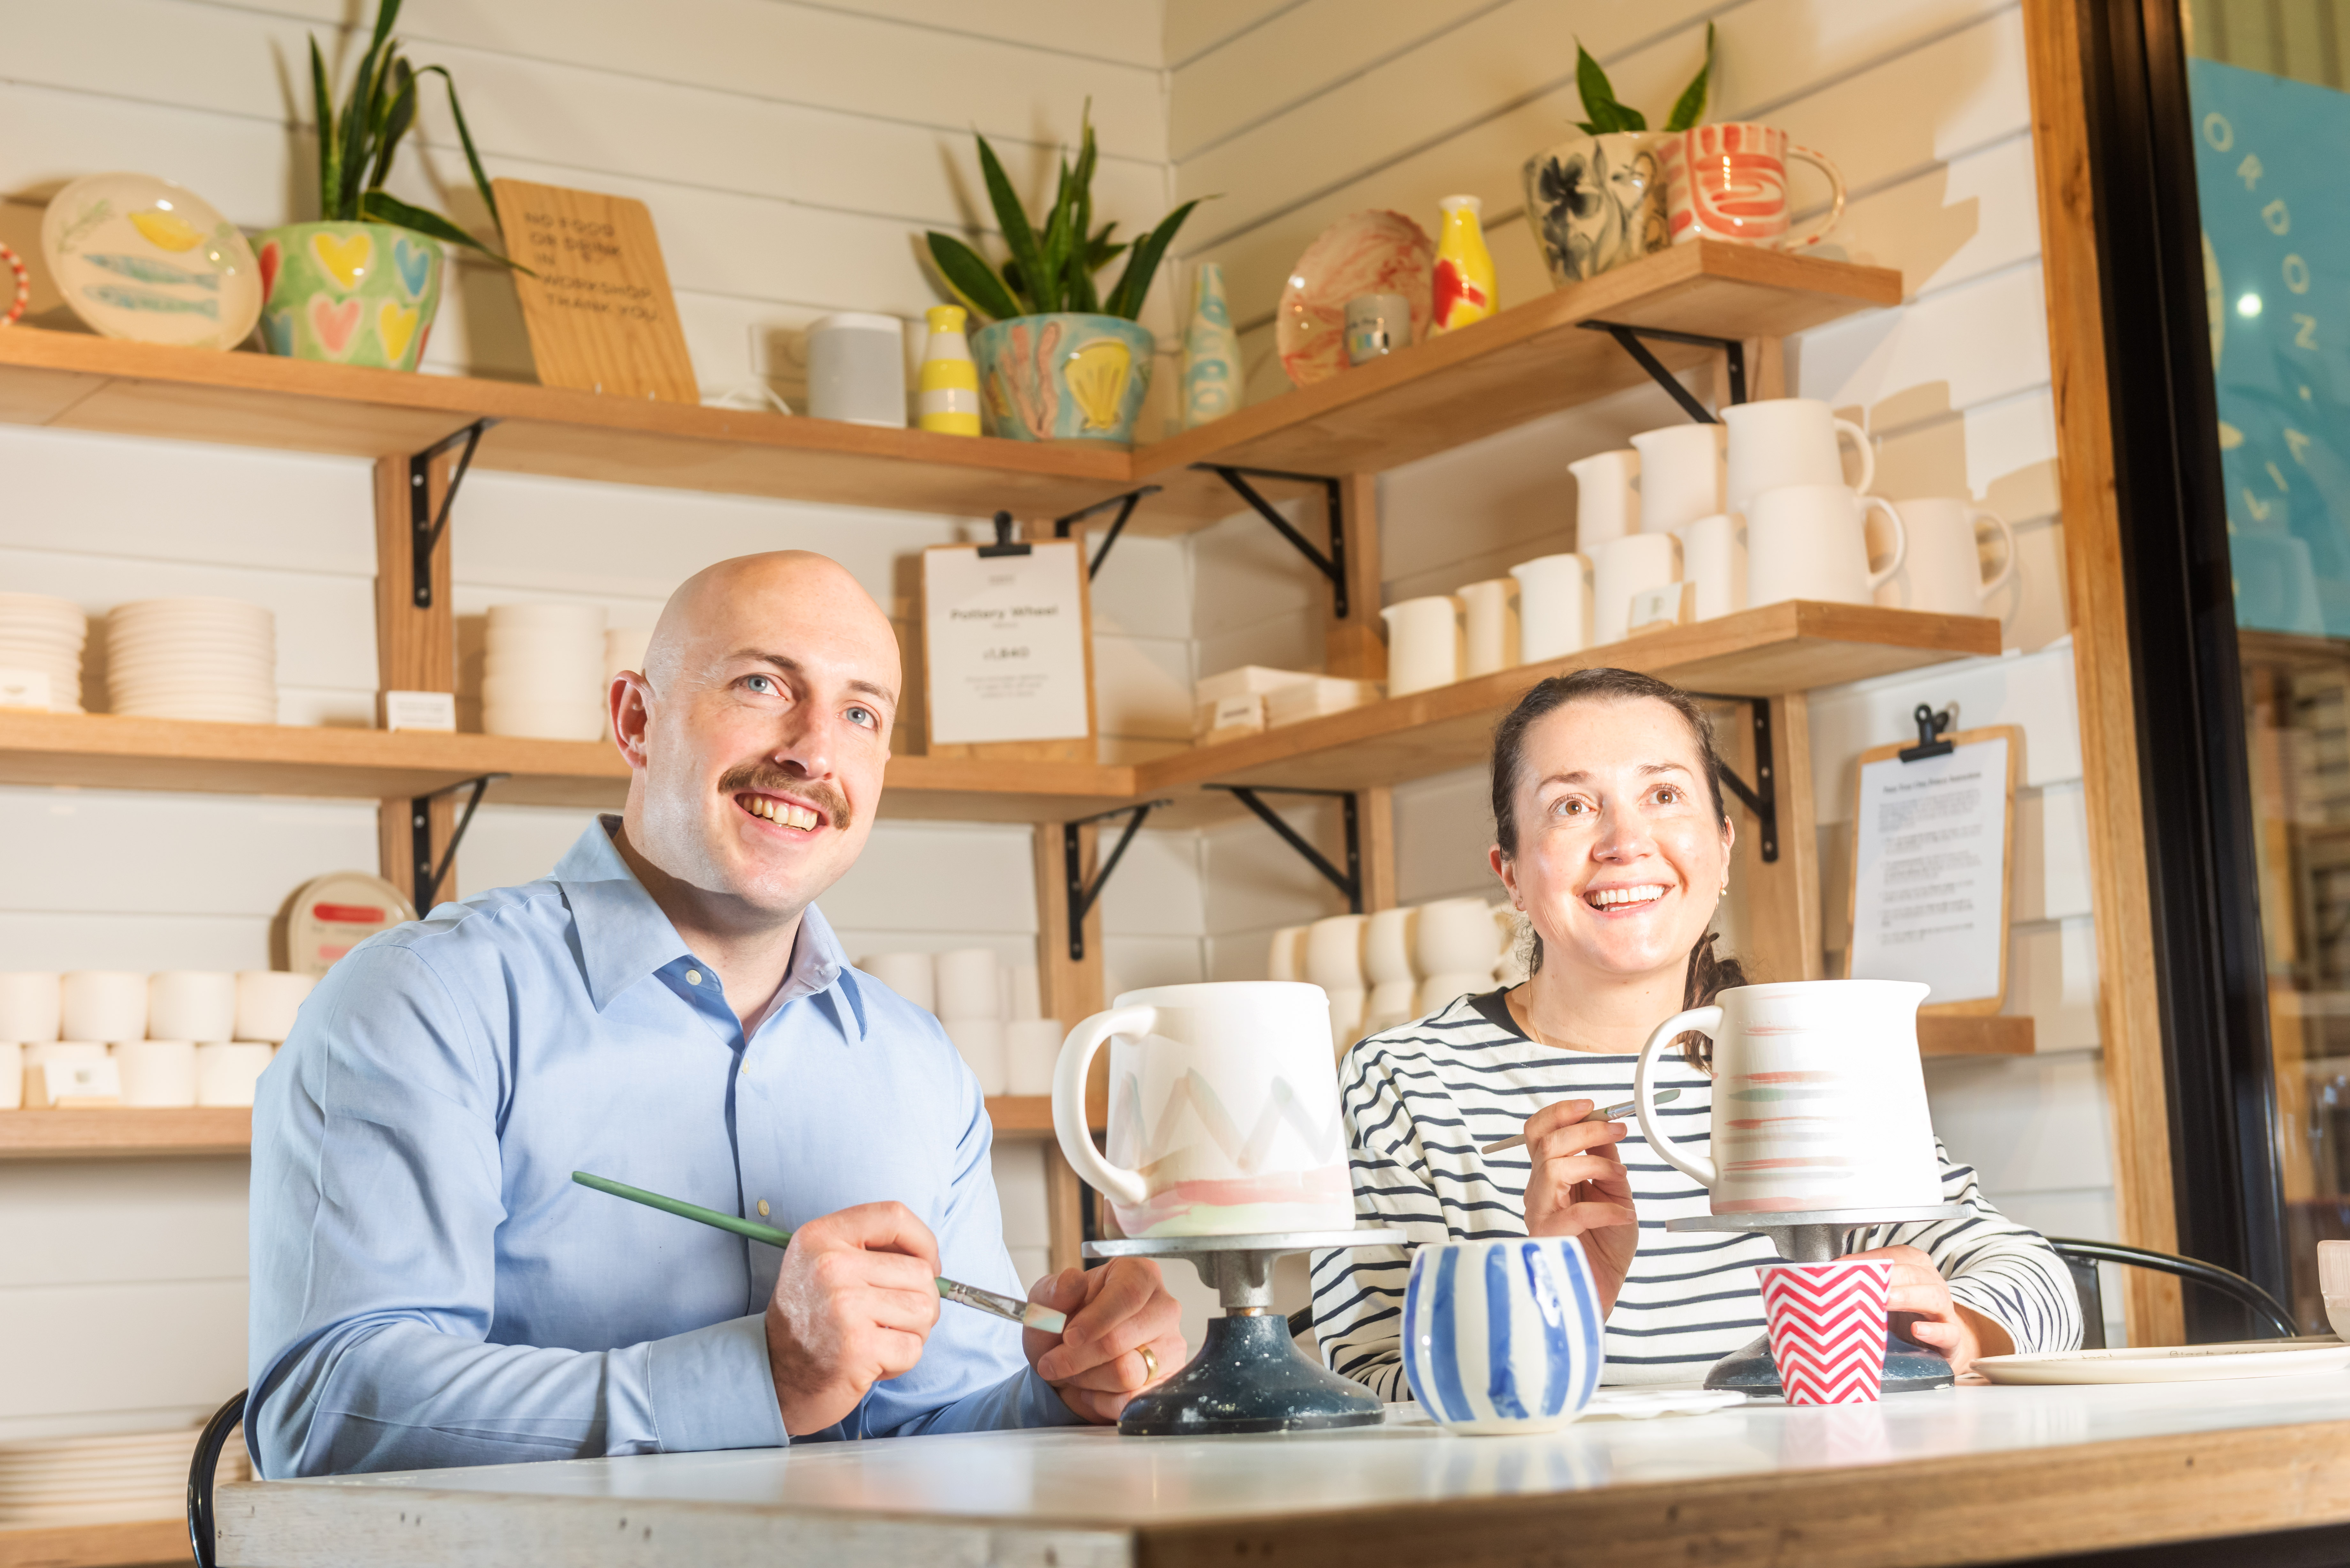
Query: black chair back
[2083, 1258]
[200, 1477]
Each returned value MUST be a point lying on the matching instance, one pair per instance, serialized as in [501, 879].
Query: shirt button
[694, 977]
[762, 1208]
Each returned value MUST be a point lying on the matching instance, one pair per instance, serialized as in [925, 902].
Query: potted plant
[1056, 361]
[1597, 201]
[361, 286]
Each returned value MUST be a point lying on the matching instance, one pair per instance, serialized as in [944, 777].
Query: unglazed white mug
[1554, 606]
[1942, 569]
[1424, 643]
[1819, 1101]
[1809, 541]
[1625, 568]
[1713, 562]
[1606, 505]
[1681, 475]
[1223, 1111]
[1489, 622]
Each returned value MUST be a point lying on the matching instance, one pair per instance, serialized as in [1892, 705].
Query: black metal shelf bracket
[1125, 505]
[1350, 880]
[1630, 339]
[1082, 895]
[429, 876]
[425, 525]
[1332, 565]
[1763, 799]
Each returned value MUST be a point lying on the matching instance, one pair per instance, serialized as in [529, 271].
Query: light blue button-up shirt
[431, 1288]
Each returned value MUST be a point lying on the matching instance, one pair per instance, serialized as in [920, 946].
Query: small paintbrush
[1026, 1314]
[1610, 1113]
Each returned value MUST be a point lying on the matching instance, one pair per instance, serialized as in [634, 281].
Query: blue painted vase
[1211, 353]
[1503, 1338]
[1069, 376]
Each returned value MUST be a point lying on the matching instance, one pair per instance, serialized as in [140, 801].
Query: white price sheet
[1005, 641]
[1929, 899]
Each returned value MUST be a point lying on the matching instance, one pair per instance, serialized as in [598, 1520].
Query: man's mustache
[766, 778]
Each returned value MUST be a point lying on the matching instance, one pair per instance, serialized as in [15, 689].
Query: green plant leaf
[398, 118]
[1142, 264]
[380, 207]
[971, 278]
[330, 150]
[358, 120]
[1052, 291]
[1018, 238]
[1598, 97]
[1691, 106]
[465, 139]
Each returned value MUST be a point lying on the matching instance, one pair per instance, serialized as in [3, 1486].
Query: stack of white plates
[544, 673]
[105, 1481]
[193, 658]
[44, 634]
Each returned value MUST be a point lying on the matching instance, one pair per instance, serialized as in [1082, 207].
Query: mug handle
[1835, 184]
[1900, 542]
[1114, 1182]
[1705, 1021]
[2007, 567]
[1867, 453]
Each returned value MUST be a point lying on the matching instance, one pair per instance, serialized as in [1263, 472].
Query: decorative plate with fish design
[142, 258]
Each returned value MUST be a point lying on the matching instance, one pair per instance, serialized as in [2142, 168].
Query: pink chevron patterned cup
[1729, 181]
[1828, 1328]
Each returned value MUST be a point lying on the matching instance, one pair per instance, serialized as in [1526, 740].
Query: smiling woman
[1611, 837]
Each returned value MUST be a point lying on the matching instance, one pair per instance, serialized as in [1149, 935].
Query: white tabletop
[1097, 1493]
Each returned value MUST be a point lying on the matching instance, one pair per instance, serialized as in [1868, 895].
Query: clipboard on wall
[1933, 865]
[1007, 651]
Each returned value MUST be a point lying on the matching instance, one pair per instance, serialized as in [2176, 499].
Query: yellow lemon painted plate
[142, 258]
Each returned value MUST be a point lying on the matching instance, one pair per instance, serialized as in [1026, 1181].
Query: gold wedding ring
[1149, 1364]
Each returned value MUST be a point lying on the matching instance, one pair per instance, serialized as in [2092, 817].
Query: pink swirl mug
[1729, 181]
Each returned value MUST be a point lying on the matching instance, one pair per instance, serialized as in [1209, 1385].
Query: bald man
[667, 1008]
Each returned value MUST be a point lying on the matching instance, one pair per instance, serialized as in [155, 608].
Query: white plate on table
[2174, 1363]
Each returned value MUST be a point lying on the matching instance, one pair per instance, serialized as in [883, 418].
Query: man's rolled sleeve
[713, 1388]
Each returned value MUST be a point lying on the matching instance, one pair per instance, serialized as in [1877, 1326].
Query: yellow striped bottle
[949, 401]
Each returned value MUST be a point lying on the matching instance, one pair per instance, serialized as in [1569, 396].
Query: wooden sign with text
[600, 312]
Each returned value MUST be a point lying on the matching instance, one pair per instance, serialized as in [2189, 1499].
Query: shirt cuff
[712, 1388]
[1042, 1406]
[1985, 1301]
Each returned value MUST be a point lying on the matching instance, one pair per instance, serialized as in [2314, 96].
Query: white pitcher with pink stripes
[1729, 181]
[1819, 1101]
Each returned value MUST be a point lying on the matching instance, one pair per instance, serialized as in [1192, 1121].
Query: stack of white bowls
[1385, 970]
[180, 1037]
[45, 635]
[193, 658]
[544, 673]
[991, 1010]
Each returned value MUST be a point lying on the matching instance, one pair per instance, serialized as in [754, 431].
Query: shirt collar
[624, 936]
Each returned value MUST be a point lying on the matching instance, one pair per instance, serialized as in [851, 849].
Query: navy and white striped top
[1421, 1099]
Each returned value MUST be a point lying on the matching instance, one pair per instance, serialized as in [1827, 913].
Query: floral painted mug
[1596, 203]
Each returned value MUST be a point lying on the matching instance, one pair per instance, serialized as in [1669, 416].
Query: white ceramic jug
[1788, 441]
[1554, 606]
[1423, 643]
[1223, 1111]
[1623, 569]
[1942, 571]
[1819, 1102]
[1681, 475]
[1606, 505]
[1489, 614]
[1713, 561]
[1808, 542]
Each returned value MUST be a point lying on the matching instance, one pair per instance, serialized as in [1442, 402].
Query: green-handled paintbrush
[1028, 1314]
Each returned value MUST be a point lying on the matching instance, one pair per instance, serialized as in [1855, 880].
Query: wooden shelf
[1766, 652]
[101, 751]
[1520, 364]
[135, 1134]
[1990, 1034]
[135, 1545]
[1528, 360]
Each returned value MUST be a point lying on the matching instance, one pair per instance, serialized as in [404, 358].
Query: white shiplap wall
[790, 153]
[1300, 113]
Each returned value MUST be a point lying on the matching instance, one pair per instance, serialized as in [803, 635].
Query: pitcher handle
[1835, 210]
[1900, 542]
[1867, 454]
[2007, 567]
[1704, 1020]
[1114, 1182]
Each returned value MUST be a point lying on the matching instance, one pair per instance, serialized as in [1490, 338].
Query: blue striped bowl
[1502, 1336]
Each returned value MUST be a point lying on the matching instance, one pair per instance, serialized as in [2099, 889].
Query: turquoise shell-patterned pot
[1063, 376]
[351, 294]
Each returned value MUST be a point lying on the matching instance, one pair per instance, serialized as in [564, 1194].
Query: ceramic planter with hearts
[351, 293]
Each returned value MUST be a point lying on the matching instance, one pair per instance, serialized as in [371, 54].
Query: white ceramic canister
[1622, 569]
[1286, 956]
[857, 368]
[228, 1072]
[970, 983]
[157, 1072]
[30, 1005]
[190, 1004]
[103, 1005]
[1031, 1046]
[1554, 606]
[982, 1043]
[1606, 505]
[1780, 442]
[1387, 935]
[911, 975]
[1456, 936]
[267, 1001]
[1424, 639]
[1334, 952]
[1681, 475]
[1490, 615]
[1713, 561]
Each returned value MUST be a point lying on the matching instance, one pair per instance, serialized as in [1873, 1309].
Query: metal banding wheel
[1250, 1375]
